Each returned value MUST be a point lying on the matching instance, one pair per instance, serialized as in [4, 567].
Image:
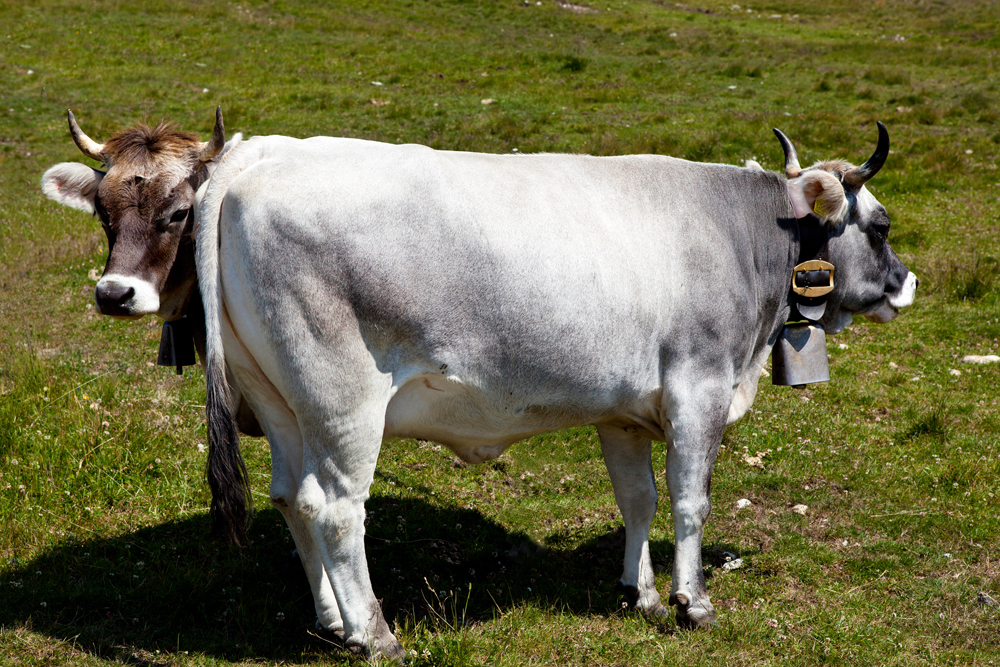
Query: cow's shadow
[172, 588]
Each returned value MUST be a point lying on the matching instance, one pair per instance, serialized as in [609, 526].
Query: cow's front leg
[337, 472]
[631, 470]
[696, 429]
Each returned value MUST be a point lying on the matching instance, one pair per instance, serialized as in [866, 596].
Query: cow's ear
[819, 192]
[72, 184]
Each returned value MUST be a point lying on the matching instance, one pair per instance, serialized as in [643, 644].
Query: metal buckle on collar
[812, 266]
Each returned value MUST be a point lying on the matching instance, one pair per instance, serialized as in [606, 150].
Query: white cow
[359, 291]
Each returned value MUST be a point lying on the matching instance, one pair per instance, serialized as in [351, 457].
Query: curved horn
[87, 146]
[211, 148]
[792, 168]
[859, 175]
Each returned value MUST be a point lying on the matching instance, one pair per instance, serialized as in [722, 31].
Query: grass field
[104, 550]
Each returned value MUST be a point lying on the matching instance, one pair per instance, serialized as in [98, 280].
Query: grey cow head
[144, 201]
[870, 278]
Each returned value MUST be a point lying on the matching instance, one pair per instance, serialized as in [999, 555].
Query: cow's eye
[179, 215]
[882, 229]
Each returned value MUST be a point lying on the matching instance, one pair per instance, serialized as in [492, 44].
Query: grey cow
[357, 291]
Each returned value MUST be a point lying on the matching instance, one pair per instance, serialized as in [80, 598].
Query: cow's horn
[214, 146]
[859, 175]
[792, 168]
[87, 146]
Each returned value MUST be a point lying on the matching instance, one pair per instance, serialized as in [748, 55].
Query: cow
[356, 291]
[145, 204]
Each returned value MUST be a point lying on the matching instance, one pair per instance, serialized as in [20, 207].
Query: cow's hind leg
[286, 470]
[630, 467]
[339, 458]
[697, 423]
[285, 440]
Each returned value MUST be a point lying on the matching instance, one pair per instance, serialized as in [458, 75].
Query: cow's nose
[113, 298]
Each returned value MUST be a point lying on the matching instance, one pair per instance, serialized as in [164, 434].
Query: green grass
[104, 549]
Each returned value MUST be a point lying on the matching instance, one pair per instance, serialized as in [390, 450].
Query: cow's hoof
[389, 649]
[658, 612]
[334, 635]
[697, 616]
[630, 600]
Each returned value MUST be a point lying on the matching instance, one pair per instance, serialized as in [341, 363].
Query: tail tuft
[227, 474]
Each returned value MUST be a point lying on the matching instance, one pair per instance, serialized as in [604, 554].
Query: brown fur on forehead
[836, 167]
[146, 151]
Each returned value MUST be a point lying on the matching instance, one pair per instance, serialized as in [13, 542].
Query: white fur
[72, 184]
[905, 296]
[830, 204]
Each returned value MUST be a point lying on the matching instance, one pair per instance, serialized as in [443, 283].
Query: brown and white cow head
[870, 278]
[144, 200]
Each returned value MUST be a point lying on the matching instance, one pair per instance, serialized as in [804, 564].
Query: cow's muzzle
[904, 297]
[125, 297]
[889, 308]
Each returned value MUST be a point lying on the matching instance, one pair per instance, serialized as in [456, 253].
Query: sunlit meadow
[868, 531]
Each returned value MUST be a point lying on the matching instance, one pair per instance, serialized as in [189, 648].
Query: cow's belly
[479, 426]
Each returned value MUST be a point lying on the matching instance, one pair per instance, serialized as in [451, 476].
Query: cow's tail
[227, 474]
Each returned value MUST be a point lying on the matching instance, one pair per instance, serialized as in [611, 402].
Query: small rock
[983, 600]
[488, 100]
[893, 365]
[800, 509]
[843, 346]
[954, 372]
[977, 359]
[733, 565]
[743, 503]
